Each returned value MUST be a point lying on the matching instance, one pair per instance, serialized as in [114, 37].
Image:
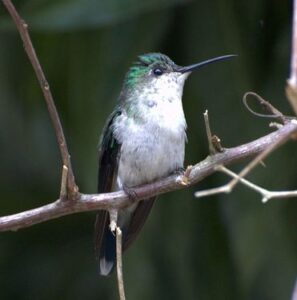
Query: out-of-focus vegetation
[225, 247]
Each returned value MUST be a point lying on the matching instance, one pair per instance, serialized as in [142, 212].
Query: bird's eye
[158, 71]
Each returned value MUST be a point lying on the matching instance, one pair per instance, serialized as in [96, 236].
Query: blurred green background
[225, 247]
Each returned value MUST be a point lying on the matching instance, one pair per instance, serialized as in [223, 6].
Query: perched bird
[143, 140]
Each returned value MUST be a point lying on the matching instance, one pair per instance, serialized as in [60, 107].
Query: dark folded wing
[108, 165]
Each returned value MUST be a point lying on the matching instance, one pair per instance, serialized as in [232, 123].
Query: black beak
[203, 63]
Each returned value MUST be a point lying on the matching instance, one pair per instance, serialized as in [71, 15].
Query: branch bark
[116, 200]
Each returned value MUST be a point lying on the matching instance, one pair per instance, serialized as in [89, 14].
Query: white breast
[153, 148]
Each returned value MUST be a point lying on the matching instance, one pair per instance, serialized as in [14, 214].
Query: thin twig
[120, 264]
[116, 200]
[63, 190]
[29, 48]
[291, 88]
[293, 73]
[113, 216]
[266, 194]
[211, 148]
[214, 142]
[273, 112]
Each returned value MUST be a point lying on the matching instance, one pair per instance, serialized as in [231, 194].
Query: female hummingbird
[143, 140]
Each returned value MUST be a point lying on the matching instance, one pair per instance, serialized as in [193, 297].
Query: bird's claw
[132, 195]
[184, 179]
[113, 215]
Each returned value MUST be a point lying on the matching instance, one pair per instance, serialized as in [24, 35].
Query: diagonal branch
[23, 31]
[116, 200]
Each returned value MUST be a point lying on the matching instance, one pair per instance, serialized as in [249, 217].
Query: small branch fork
[69, 188]
[228, 188]
[266, 195]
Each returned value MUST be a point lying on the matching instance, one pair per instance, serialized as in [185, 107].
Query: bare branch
[228, 188]
[273, 112]
[116, 200]
[63, 190]
[208, 133]
[120, 264]
[291, 88]
[214, 143]
[23, 31]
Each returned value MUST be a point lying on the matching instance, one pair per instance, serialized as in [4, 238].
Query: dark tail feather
[107, 259]
[105, 244]
[105, 240]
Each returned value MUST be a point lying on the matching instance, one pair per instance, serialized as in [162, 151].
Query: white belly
[149, 153]
[147, 159]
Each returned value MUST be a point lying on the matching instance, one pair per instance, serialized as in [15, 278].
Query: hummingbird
[143, 140]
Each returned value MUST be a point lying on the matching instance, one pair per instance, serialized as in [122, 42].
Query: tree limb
[116, 200]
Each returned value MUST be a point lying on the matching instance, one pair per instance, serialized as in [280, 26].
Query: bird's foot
[185, 176]
[130, 193]
[113, 215]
